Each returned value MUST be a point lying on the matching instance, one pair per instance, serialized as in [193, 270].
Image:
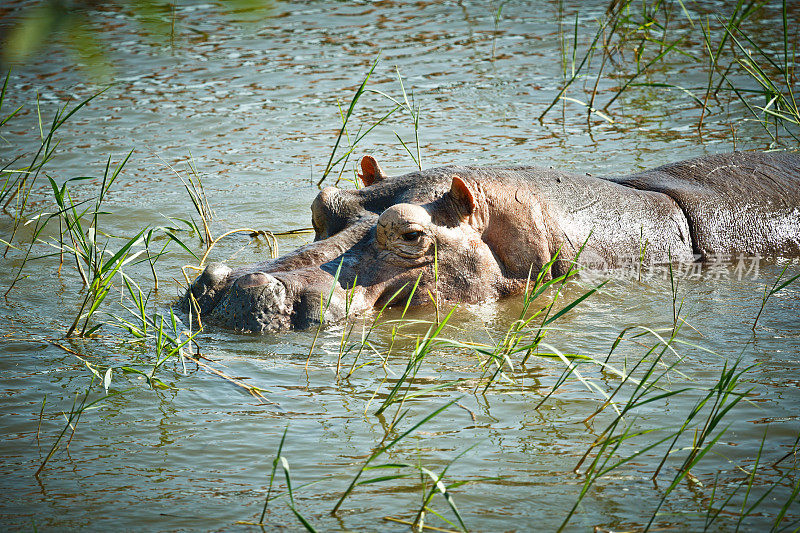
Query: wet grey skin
[491, 227]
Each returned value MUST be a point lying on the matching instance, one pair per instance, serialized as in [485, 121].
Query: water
[252, 96]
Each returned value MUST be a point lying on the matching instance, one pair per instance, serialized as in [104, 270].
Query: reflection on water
[253, 98]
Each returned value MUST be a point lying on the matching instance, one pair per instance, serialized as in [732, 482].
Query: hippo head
[372, 247]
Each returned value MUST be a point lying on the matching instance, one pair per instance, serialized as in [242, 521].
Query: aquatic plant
[405, 103]
[18, 181]
[736, 63]
[438, 485]
[96, 264]
[76, 411]
[779, 284]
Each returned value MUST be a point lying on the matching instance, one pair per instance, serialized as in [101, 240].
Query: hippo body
[471, 234]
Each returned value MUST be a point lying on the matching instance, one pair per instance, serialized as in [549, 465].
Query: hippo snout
[265, 302]
[255, 302]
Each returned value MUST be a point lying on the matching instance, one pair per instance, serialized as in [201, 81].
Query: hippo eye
[410, 236]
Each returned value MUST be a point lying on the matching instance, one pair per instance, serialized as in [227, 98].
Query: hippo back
[745, 202]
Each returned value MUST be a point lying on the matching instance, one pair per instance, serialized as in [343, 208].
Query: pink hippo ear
[463, 197]
[370, 171]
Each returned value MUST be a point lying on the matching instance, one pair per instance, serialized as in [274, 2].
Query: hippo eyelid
[411, 236]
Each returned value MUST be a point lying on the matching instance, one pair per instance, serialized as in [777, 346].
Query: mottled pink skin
[490, 227]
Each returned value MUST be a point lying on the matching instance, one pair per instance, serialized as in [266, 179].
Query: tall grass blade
[383, 449]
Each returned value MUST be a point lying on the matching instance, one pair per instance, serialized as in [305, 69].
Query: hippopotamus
[472, 234]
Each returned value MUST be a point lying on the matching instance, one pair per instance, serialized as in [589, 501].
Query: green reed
[722, 397]
[414, 110]
[438, 487]
[704, 425]
[406, 103]
[96, 263]
[78, 407]
[576, 72]
[774, 80]
[497, 16]
[621, 29]
[645, 383]
[285, 466]
[741, 12]
[424, 346]
[346, 331]
[383, 448]
[777, 286]
[387, 472]
[522, 336]
[331, 164]
[643, 38]
[99, 258]
[365, 341]
[325, 304]
[272, 474]
[18, 181]
[79, 240]
[193, 184]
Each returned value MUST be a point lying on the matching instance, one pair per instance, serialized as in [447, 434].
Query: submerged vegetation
[391, 358]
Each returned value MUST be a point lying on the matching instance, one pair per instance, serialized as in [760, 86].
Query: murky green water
[253, 98]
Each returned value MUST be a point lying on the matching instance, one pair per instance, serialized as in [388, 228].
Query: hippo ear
[463, 197]
[370, 171]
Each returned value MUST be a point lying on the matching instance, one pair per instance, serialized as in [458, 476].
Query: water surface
[251, 97]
